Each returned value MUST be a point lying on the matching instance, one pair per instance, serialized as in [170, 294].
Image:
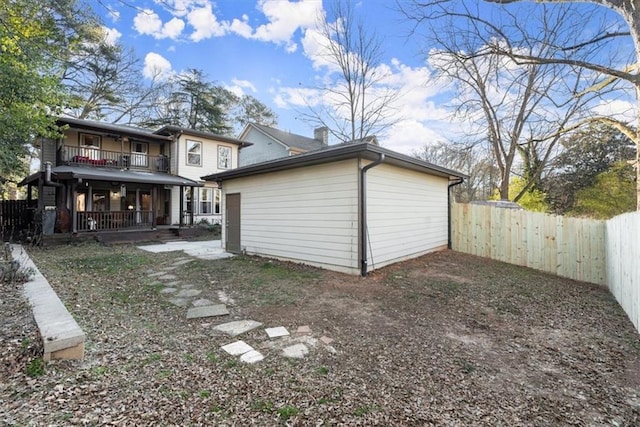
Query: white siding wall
[307, 215]
[263, 149]
[209, 165]
[407, 214]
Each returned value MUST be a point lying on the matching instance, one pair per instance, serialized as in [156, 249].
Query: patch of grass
[322, 370]
[466, 366]
[362, 410]
[215, 409]
[36, 367]
[120, 296]
[288, 411]
[204, 393]
[99, 371]
[212, 357]
[231, 363]
[189, 357]
[165, 373]
[269, 371]
[26, 342]
[112, 263]
[503, 307]
[262, 405]
[154, 357]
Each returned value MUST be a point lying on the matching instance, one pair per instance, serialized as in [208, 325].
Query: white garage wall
[308, 215]
[407, 214]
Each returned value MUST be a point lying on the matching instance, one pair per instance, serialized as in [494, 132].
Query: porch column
[74, 210]
[181, 206]
[154, 195]
[193, 199]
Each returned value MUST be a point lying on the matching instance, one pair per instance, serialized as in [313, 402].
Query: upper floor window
[90, 146]
[224, 157]
[139, 151]
[194, 153]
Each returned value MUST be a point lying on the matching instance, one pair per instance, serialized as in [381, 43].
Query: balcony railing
[113, 159]
[114, 220]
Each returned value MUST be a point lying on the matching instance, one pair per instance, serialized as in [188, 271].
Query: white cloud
[205, 23]
[156, 66]
[239, 86]
[241, 27]
[111, 35]
[149, 23]
[285, 18]
[618, 109]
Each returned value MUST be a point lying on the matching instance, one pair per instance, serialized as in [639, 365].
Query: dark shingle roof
[291, 140]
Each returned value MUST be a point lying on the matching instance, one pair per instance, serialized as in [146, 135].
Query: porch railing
[113, 159]
[114, 220]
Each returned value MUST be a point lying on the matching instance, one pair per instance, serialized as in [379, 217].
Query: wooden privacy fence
[567, 247]
[15, 215]
[623, 259]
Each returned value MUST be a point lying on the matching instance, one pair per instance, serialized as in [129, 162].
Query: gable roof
[335, 153]
[173, 130]
[288, 139]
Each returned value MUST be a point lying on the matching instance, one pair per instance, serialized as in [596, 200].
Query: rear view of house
[104, 177]
[350, 208]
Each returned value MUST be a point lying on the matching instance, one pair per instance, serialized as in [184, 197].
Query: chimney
[321, 134]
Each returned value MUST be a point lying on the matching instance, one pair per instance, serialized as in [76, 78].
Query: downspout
[47, 177]
[363, 213]
[453, 184]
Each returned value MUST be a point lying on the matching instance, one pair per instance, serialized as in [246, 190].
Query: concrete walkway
[205, 249]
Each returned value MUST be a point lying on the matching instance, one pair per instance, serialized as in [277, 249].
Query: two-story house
[269, 143]
[101, 176]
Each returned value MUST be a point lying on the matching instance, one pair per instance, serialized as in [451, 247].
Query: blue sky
[270, 49]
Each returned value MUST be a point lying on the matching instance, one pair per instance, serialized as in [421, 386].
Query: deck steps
[159, 235]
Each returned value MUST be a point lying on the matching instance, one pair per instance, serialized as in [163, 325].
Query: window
[224, 157]
[194, 153]
[205, 201]
[218, 196]
[90, 146]
[139, 151]
[188, 200]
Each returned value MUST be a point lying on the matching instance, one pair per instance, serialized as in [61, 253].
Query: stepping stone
[173, 284]
[237, 348]
[252, 356]
[180, 302]
[308, 340]
[326, 340]
[181, 262]
[186, 293]
[223, 297]
[280, 331]
[207, 311]
[297, 351]
[168, 277]
[168, 290]
[186, 286]
[169, 268]
[157, 273]
[303, 330]
[202, 302]
[237, 327]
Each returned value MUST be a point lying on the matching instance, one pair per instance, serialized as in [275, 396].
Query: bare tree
[520, 110]
[356, 102]
[475, 160]
[105, 82]
[615, 70]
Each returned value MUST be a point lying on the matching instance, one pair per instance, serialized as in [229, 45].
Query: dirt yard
[446, 339]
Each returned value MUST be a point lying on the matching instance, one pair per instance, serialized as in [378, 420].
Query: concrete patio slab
[252, 356]
[168, 277]
[187, 293]
[168, 290]
[205, 249]
[276, 332]
[296, 351]
[237, 348]
[207, 311]
[202, 302]
[180, 302]
[237, 327]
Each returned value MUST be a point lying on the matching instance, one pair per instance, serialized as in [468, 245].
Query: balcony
[87, 156]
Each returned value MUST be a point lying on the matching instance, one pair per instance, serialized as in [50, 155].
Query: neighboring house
[268, 143]
[350, 208]
[110, 177]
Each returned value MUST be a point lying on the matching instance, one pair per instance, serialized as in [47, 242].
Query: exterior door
[232, 217]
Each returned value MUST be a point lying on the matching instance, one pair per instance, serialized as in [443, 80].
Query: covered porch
[90, 199]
